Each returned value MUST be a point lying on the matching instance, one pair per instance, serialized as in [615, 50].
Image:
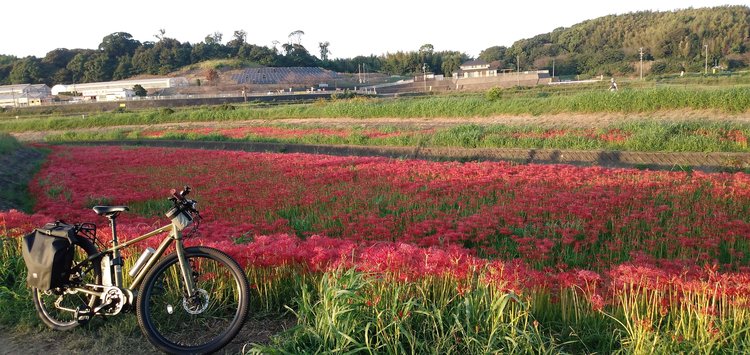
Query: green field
[542, 101]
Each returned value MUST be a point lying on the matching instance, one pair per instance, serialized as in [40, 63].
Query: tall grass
[728, 100]
[642, 136]
[8, 143]
[15, 300]
[348, 311]
[344, 310]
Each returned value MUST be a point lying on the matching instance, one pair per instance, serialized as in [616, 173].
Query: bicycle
[193, 300]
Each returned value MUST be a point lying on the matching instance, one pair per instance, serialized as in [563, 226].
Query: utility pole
[641, 63]
[553, 68]
[424, 75]
[518, 69]
[705, 45]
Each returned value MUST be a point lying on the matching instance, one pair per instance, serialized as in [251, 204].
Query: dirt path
[84, 341]
[546, 121]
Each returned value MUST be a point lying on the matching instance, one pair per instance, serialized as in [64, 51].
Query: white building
[118, 90]
[22, 95]
[475, 69]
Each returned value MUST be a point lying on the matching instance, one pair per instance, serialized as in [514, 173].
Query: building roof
[34, 95]
[13, 88]
[148, 83]
[474, 62]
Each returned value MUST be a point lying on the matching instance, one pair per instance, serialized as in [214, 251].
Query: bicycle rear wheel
[204, 323]
[57, 309]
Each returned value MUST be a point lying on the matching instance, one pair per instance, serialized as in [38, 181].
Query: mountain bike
[191, 300]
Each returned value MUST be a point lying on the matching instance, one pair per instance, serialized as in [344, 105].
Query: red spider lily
[524, 229]
[274, 132]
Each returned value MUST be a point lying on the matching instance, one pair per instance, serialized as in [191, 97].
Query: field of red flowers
[662, 255]
[643, 137]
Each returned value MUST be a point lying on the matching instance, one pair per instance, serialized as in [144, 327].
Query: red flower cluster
[523, 228]
[271, 132]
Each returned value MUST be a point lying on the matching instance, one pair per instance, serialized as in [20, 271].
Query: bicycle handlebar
[180, 201]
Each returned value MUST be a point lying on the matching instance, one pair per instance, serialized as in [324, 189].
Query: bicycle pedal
[83, 315]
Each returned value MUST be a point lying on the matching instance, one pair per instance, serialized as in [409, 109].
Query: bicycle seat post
[116, 258]
[111, 212]
[113, 224]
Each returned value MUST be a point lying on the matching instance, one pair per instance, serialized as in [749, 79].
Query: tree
[324, 52]
[296, 37]
[425, 54]
[123, 69]
[160, 34]
[139, 90]
[493, 53]
[296, 55]
[452, 61]
[258, 54]
[145, 60]
[426, 50]
[61, 76]
[214, 38]
[77, 65]
[59, 58]
[97, 69]
[5, 73]
[26, 71]
[239, 39]
[119, 44]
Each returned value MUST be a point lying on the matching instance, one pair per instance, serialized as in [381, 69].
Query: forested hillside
[671, 41]
[674, 41]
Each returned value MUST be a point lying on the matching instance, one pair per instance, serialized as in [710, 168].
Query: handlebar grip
[181, 195]
[175, 195]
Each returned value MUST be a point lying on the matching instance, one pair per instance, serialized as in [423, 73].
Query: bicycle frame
[174, 236]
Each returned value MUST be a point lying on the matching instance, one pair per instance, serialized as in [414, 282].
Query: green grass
[495, 102]
[345, 311]
[20, 163]
[639, 136]
[8, 143]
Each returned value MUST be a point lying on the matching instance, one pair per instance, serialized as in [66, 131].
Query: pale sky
[352, 27]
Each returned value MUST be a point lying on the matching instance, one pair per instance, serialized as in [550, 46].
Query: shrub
[342, 95]
[494, 93]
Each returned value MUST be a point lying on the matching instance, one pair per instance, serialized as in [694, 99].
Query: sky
[352, 27]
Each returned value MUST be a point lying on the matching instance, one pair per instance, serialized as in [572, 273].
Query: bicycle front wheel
[176, 323]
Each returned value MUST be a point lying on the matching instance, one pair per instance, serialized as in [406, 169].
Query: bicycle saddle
[108, 210]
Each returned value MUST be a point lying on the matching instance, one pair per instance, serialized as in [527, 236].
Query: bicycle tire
[44, 301]
[201, 324]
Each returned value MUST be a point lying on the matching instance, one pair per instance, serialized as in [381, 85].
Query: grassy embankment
[495, 102]
[644, 135]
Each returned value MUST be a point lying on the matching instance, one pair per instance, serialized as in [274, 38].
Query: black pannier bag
[48, 253]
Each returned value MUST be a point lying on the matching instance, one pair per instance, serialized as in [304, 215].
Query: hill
[672, 41]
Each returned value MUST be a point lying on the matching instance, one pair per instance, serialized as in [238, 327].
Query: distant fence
[710, 162]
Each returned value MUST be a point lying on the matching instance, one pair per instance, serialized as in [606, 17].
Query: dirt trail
[80, 341]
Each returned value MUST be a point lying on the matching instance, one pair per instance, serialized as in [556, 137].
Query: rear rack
[88, 231]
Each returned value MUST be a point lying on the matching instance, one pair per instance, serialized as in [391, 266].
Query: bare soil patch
[80, 341]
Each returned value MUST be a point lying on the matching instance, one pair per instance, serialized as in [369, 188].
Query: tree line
[670, 41]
